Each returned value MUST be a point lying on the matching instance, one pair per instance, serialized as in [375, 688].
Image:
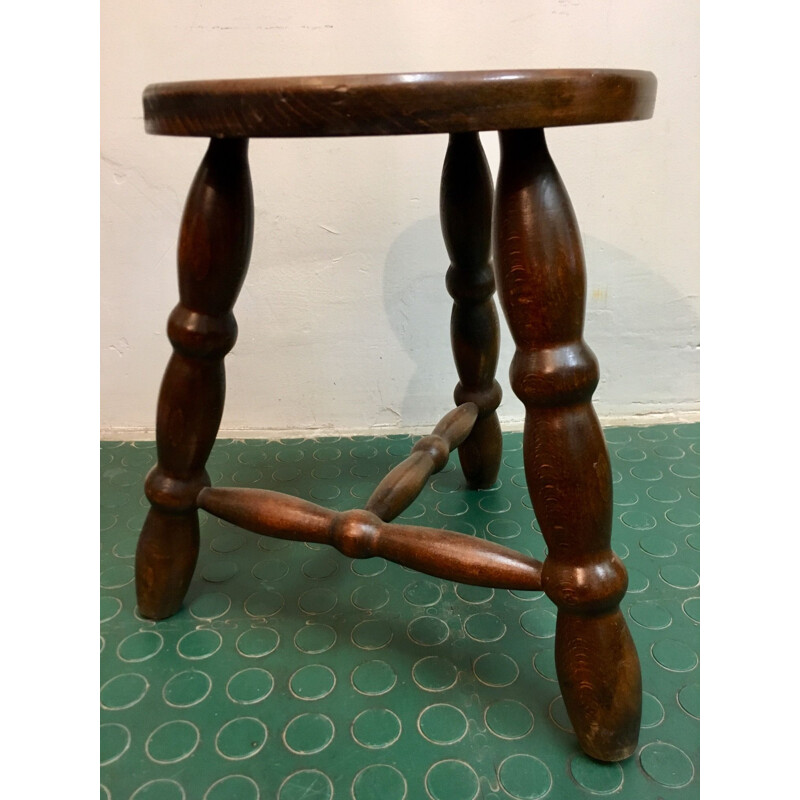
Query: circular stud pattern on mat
[633, 454]
[689, 699]
[509, 719]
[274, 545]
[249, 686]
[434, 674]
[160, 789]
[485, 627]
[381, 781]
[219, 570]
[679, 576]
[369, 597]
[667, 764]
[241, 738]
[172, 741]
[495, 669]
[372, 634]
[210, 606]
[428, 631]
[545, 664]
[263, 603]
[314, 638]
[658, 546]
[539, 622]
[116, 577]
[652, 711]
[373, 678]
[233, 787]
[186, 689]
[502, 529]
[140, 646]
[674, 655]
[691, 607]
[637, 581]
[115, 739]
[376, 728]
[663, 493]
[442, 724]
[558, 713]
[479, 638]
[320, 567]
[422, 593]
[270, 569]
[199, 644]
[525, 777]
[309, 733]
[312, 682]
[652, 435]
[123, 691]
[646, 472]
[651, 615]
[368, 567]
[638, 520]
[257, 642]
[227, 542]
[474, 595]
[452, 780]
[317, 601]
[685, 469]
[595, 777]
[306, 783]
[682, 517]
[109, 608]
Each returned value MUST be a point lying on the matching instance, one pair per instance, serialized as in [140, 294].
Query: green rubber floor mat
[293, 672]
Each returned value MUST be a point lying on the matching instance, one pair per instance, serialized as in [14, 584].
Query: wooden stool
[538, 264]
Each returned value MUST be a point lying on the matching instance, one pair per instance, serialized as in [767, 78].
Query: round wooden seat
[375, 105]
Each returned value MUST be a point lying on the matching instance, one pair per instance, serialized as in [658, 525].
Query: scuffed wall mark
[121, 347]
[330, 230]
[118, 170]
[138, 182]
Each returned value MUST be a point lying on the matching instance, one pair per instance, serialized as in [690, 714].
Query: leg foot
[165, 559]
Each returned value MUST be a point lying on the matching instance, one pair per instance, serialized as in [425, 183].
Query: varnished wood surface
[372, 105]
[213, 254]
[465, 209]
[360, 534]
[539, 262]
[398, 490]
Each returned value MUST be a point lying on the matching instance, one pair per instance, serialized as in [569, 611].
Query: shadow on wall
[644, 331]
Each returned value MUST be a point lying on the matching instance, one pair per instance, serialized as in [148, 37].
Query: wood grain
[466, 217]
[428, 456]
[374, 105]
[213, 254]
[542, 284]
[360, 534]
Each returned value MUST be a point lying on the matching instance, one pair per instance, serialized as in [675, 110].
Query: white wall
[343, 319]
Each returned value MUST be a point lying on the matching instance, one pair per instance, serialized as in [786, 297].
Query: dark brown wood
[370, 105]
[540, 271]
[213, 254]
[360, 534]
[466, 216]
[542, 285]
[428, 456]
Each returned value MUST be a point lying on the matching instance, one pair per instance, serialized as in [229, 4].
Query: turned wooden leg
[466, 216]
[539, 262]
[213, 252]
